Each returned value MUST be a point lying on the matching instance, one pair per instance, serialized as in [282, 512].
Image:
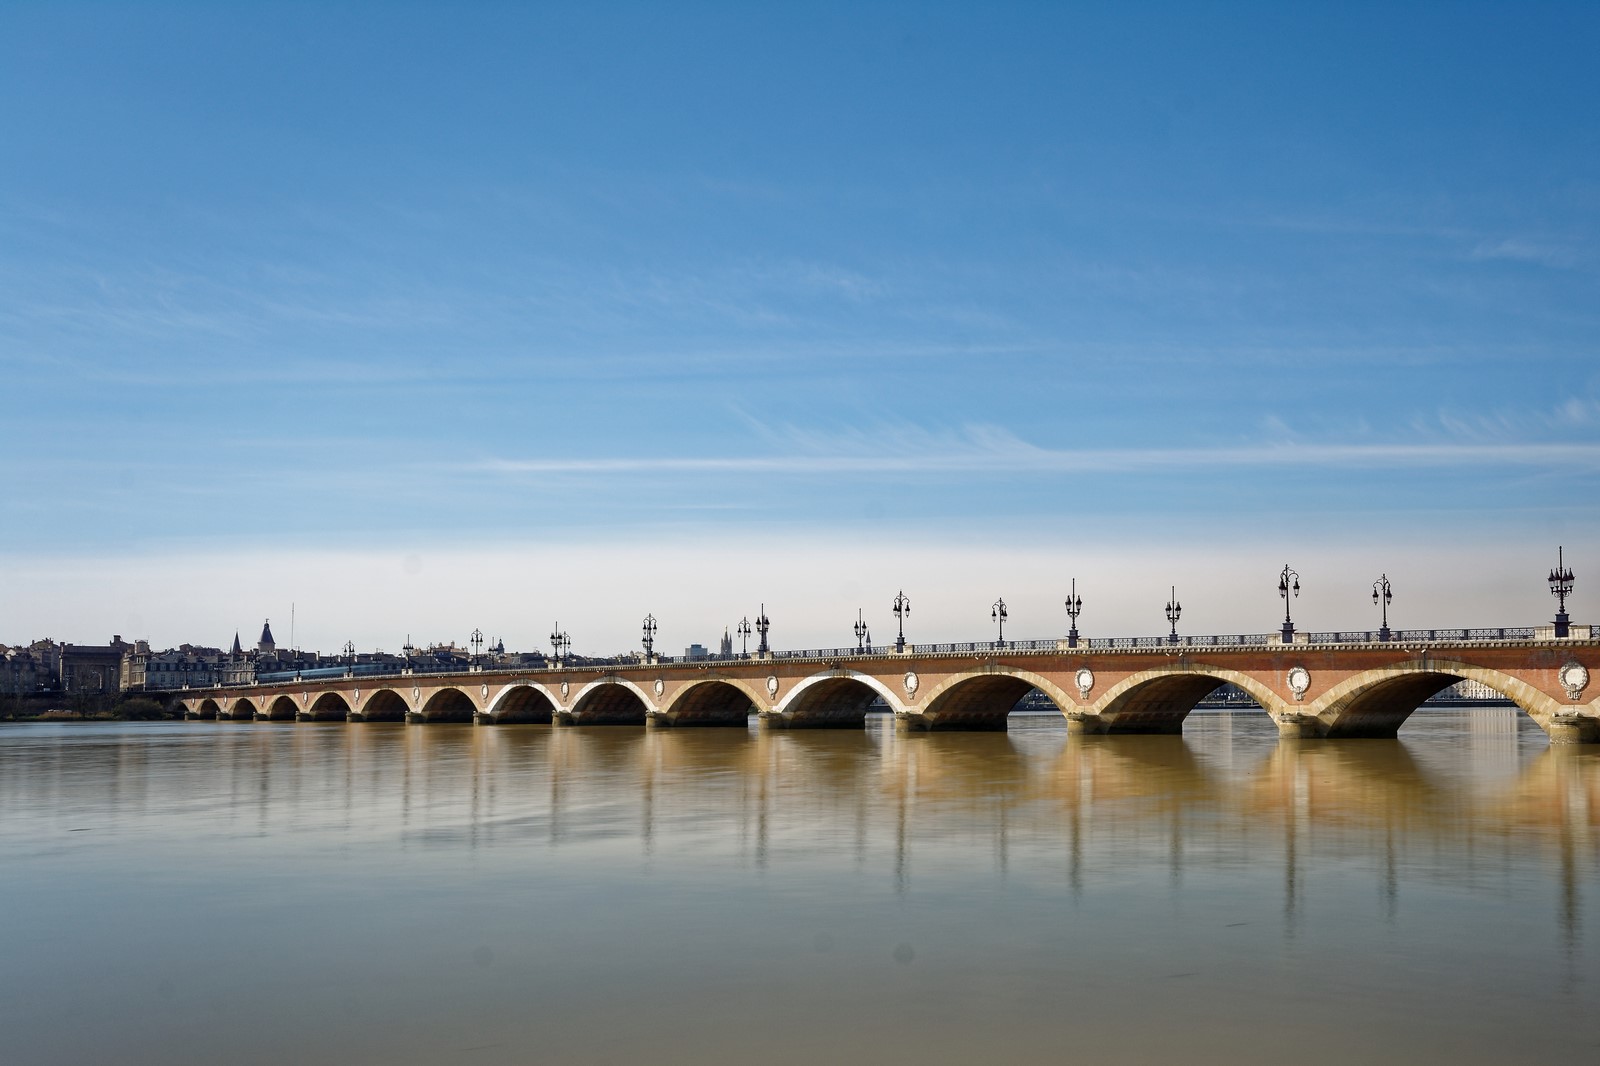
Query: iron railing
[971, 647]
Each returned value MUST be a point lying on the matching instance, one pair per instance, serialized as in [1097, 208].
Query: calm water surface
[322, 893]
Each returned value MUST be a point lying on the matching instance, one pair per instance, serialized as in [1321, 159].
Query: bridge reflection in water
[377, 891]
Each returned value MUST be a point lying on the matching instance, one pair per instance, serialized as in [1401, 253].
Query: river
[213, 892]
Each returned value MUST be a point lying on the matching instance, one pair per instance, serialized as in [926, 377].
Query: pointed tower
[238, 651]
[266, 646]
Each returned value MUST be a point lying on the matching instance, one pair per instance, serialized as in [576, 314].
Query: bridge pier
[1573, 729]
[1293, 726]
[1086, 725]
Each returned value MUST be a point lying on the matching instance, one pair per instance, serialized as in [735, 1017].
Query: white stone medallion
[1084, 679]
[661, 686]
[910, 682]
[1574, 677]
[772, 686]
[564, 689]
[1299, 680]
[485, 690]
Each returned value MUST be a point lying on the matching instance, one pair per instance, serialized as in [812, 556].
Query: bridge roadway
[1311, 690]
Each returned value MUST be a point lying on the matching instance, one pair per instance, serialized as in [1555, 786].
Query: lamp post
[1174, 612]
[997, 613]
[350, 656]
[1383, 594]
[649, 637]
[1561, 588]
[477, 645]
[1288, 588]
[560, 642]
[1074, 609]
[743, 629]
[863, 634]
[762, 625]
[902, 607]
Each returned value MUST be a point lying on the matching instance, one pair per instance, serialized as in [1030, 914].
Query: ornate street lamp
[560, 642]
[1074, 609]
[1561, 588]
[477, 645]
[744, 631]
[1288, 582]
[997, 613]
[762, 625]
[350, 653]
[863, 634]
[649, 637]
[1383, 594]
[902, 607]
[1174, 612]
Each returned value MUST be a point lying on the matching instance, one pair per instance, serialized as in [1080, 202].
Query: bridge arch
[610, 701]
[982, 700]
[1377, 702]
[282, 709]
[838, 698]
[447, 705]
[385, 705]
[522, 702]
[331, 706]
[712, 701]
[1158, 700]
[242, 709]
[208, 710]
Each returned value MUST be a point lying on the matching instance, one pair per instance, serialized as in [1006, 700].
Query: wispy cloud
[994, 451]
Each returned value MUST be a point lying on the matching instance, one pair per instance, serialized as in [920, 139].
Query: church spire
[267, 645]
[237, 650]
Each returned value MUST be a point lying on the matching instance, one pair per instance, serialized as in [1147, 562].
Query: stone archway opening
[1160, 704]
[329, 707]
[243, 710]
[610, 703]
[831, 703]
[1379, 709]
[712, 703]
[208, 711]
[385, 705]
[523, 704]
[448, 705]
[282, 709]
[981, 703]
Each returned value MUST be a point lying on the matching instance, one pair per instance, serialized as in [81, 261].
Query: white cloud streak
[1003, 455]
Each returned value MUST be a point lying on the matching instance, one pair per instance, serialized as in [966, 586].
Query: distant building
[696, 651]
[92, 668]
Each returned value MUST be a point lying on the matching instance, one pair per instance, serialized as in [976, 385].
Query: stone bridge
[1310, 690]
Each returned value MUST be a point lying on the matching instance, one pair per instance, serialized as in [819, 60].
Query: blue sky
[1139, 293]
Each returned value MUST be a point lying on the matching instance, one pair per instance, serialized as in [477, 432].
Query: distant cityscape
[119, 666]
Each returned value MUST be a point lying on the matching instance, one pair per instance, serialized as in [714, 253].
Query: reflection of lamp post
[1074, 608]
[1561, 588]
[1288, 582]
[1382, 593]
[997, 613]
[1174, 611]
[902, 607]
[560, 642]
[762, 625]
[744, 631]
[863, 634]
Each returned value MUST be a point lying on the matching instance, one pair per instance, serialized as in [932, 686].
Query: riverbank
[58, 707]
